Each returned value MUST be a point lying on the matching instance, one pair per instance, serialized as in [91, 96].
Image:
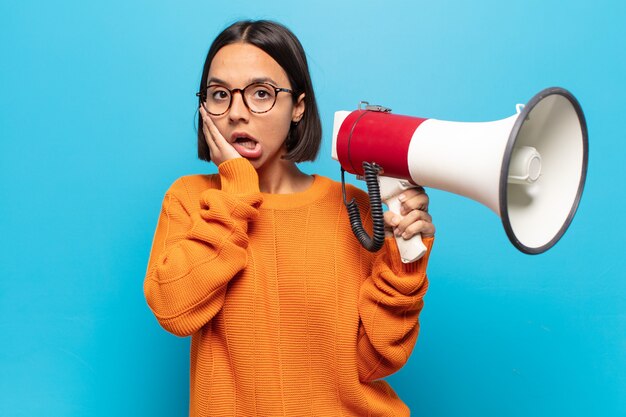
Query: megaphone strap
[356, 122]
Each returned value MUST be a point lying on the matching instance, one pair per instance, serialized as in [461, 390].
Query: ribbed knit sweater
[288, 315]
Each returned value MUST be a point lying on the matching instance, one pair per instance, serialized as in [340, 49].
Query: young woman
[288, 315]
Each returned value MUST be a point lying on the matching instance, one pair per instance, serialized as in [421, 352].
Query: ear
[298, 109]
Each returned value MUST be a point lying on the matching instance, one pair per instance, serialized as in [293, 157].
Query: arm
[390, 302]
[195, 253]
[391, 298]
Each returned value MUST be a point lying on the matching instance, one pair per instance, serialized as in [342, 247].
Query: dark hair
[303, 140]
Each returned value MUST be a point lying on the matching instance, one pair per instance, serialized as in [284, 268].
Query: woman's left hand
[413, 218]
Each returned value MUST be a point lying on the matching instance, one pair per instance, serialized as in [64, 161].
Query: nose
[238, 109]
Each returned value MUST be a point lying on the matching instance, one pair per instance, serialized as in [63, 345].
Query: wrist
[238, 176]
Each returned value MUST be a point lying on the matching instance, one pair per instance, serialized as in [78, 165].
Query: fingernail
[401, 197]
[396, 220]
[397, 232]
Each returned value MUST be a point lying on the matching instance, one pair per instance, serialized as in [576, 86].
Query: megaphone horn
[529, 168]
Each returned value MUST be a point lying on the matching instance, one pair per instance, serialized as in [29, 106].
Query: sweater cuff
[395, 261]
[238, 176]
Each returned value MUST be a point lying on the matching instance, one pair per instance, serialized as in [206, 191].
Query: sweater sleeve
[390, 302]
[199, 247]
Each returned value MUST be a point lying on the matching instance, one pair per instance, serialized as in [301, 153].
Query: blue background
[97, 112]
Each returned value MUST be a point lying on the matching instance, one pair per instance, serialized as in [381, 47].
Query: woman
[288, 315]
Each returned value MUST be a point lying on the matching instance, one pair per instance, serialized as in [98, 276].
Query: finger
[211, 134]
[419, 201]
[411, 218]
[426, 229]
[220, 147]
[391, 219]
[208, 136]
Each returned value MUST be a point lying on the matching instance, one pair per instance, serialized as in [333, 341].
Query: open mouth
[246, 142]
[246, 146]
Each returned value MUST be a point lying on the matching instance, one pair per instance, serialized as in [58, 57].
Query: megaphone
[529, 168]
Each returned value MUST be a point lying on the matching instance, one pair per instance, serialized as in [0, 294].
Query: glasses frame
[203, 96]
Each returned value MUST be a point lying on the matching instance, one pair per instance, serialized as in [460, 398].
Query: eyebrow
[251, 81]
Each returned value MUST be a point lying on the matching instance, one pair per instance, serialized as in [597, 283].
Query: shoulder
[189, 187]
[352, 191]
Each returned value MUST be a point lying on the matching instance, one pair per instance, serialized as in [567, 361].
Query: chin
[256, 162]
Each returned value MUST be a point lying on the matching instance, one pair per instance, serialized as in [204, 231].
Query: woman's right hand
[219, 147]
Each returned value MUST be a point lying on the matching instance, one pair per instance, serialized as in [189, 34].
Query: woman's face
[258, 137]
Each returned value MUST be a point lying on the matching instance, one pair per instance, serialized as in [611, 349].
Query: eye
[217, 93]
[261, 92]
[220, 95]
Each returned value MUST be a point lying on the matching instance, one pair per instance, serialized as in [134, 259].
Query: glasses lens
[260, 97]
[217, 99]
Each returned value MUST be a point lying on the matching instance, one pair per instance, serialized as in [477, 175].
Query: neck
[283, 177]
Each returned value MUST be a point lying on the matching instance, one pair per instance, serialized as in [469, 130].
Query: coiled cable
[375, 242]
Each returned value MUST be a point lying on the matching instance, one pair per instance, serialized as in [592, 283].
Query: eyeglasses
[257, 97]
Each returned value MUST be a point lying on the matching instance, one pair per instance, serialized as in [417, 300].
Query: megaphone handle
[410, 249]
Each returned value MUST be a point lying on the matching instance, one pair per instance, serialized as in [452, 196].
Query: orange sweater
[288, 315]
